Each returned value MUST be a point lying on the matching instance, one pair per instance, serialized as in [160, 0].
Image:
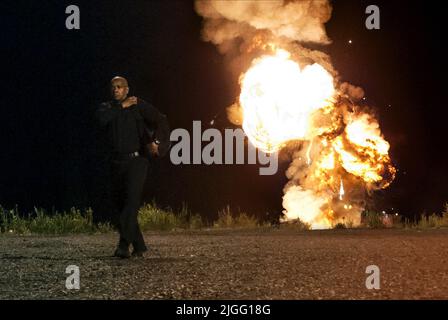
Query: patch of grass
[340, 225]
[42, 222]
[226, 219]
[344, 224]
[67, 222]
[10, 221]
[295, 224]
[152, 217]
[373, 219]
[433, 221]
[195, 222]
[349, 224]
[76, 221]
[444, 220]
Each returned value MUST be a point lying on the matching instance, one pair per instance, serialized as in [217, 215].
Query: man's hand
[154, 149]
[128, 102]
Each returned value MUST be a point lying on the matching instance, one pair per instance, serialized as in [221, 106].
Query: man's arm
[156, 120]
[106, 113]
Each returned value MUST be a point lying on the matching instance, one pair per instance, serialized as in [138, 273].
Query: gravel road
[231, 264]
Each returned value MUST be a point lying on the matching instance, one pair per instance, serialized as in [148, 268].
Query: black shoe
[122, 253]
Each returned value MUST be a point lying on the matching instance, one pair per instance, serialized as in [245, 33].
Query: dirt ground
[231, 264]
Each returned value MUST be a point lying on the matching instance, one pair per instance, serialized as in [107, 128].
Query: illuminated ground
[263, 264]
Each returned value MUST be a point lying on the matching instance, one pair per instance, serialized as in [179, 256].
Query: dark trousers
[128, 178]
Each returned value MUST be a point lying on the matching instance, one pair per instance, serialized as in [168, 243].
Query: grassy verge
[229, 219]
[378, 220]
[42, 222]
[152, 217]
[432, 221]
[76, 221]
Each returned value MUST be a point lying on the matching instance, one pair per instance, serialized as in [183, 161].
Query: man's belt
[125, 156]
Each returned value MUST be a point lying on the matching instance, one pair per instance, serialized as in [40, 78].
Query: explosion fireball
[290, 93]
[281, 102]
[277, 99]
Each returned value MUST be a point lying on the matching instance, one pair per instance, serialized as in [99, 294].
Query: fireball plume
[277, 99]
[292, 93]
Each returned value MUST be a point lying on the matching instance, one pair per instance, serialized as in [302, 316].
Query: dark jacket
[131, 129]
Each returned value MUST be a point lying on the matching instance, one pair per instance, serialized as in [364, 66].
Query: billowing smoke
[227, 21]
[340, 154]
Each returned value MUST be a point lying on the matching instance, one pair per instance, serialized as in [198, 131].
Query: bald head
[119, 88]
[121, 80]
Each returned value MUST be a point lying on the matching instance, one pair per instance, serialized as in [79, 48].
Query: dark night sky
[53, 78]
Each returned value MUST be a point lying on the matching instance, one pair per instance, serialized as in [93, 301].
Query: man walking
[135, 130]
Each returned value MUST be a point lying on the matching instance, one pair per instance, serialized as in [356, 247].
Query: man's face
[119, 89]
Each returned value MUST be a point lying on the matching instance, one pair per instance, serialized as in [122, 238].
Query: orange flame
[280, 102]
[277, 98]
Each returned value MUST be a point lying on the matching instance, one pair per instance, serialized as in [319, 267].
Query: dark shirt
[125, 127]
